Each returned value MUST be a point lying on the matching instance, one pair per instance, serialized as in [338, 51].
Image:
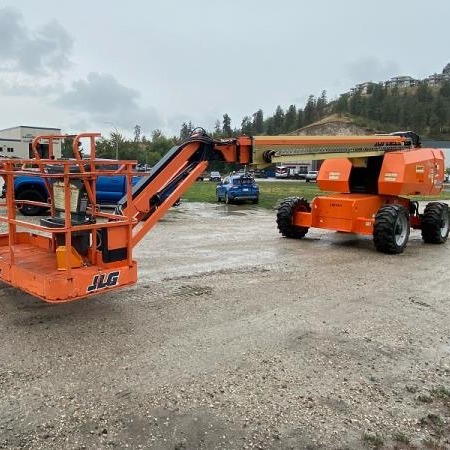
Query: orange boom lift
[373, 186]
[79, 250]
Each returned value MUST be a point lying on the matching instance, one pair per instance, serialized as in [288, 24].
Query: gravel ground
[236, 338]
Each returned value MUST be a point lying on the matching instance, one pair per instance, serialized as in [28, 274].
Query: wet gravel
[237, 338]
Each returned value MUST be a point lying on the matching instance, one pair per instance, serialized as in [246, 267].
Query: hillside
[422, 106]
[333, 125]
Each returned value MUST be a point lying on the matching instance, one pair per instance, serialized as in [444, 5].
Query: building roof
[28, 126]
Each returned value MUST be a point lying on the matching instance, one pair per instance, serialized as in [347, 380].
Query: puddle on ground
[210, 210]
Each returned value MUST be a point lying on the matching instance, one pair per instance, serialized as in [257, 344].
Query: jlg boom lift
[79, 250]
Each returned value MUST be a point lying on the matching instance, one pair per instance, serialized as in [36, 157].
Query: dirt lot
[233, 338]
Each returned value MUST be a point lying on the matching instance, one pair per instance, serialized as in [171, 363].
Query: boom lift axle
[80, 251]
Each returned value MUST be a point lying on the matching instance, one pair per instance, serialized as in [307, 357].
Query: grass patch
[425, 398]
[401, 437]
[432, 443]
[373, 439]
[273, 192]
[441, 392]
[433, 419]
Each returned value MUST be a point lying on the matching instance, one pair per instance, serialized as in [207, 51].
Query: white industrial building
[16, 142]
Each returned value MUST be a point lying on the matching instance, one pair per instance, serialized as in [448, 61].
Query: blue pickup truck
[109, 190]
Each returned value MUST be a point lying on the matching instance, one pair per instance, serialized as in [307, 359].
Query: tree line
[421, 108]
[424, 109]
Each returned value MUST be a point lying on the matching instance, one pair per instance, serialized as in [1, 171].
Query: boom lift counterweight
[81, 251]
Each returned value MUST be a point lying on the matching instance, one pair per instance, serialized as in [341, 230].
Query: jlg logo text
[104, 280]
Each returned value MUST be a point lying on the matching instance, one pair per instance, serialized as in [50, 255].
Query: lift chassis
[374, 199]
[80, 250]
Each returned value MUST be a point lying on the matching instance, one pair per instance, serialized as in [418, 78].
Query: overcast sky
[76, 65]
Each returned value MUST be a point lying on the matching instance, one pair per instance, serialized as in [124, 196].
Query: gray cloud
[13, 87]
[103, 98]
[39, 52]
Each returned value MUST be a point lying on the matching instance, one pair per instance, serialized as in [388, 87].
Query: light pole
[117, 138]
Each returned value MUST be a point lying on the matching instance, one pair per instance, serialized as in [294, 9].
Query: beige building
[16, 142]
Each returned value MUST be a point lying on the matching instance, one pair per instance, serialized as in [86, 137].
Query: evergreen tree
[226, 125]
[418, 120]
[444, 91]
[341, 106]
[247, 126]
[269, 126]
[258, 122]
[355, 104]
[435, 125]
[390, 111]
[378, 92]
[440, 111]
[290, 119]
[278, 120]
[67, 148]
[137, 133]
[184, 131]
[300, 119]
[407, 107]
[321, 105]
[424, 94]
[310, 110]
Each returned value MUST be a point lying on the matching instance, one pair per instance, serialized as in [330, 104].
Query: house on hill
[437, 79]
[401, 82]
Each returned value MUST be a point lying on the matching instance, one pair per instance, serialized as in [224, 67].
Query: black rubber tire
[32, 195]
[255, 201]
[285, 217]
[391, 229]
[435, 223]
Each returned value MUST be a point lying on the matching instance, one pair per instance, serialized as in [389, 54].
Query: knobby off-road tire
[435, 223]
[391, 229]
[285, 217]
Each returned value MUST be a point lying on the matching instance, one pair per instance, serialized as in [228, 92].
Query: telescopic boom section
[268, 150]
[154, 194]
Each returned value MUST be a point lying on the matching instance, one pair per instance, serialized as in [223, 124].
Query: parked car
[203, 176]
[301, 175]
[237, 188]
[259, 173]
[311, 176]
[215, 176]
